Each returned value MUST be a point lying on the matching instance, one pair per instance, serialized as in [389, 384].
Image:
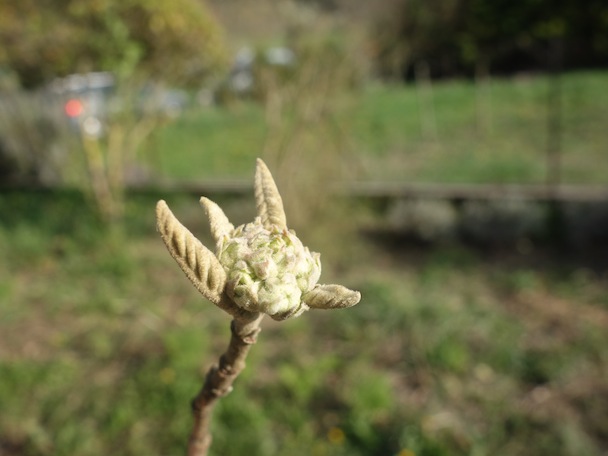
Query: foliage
[40, 146]
[149, 42]
[110, 162]
[176, 41]
[303, 113]
[458, 36]
[34, 142]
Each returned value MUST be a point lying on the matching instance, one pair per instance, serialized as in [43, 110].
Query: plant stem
[219, 379]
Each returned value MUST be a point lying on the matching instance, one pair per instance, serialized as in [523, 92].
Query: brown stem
[219, 379]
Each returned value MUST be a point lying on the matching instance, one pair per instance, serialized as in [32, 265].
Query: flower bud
[268, 270]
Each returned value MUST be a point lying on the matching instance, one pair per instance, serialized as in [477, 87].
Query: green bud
[268, 270]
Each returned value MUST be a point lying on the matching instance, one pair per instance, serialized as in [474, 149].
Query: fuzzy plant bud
[268, 269]
[260, 267]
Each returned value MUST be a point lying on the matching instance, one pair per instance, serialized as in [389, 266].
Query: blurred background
[449, 159]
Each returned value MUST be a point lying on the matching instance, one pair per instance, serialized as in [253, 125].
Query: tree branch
[219, 379]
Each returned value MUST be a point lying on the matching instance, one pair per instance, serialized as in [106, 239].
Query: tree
[177, 41]
[456, 36]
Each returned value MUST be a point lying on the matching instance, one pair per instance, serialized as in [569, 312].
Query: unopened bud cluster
[268, 269]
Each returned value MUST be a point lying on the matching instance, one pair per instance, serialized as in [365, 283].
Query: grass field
[452, 351]
[454, 132]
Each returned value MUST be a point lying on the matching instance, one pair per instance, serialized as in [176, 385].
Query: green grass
[103, 343]
[210, 143]
[458, 133]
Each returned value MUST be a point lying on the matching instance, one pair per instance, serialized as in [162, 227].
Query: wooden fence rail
[386, 190]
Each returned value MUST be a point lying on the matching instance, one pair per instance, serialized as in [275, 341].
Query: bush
[466, 36]
[32, 138]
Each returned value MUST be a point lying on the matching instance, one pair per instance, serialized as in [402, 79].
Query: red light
[74, 107]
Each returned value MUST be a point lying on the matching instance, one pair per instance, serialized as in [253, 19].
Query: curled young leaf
[198, 263]
[331, 297]
[219, 223]
[268, 200]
